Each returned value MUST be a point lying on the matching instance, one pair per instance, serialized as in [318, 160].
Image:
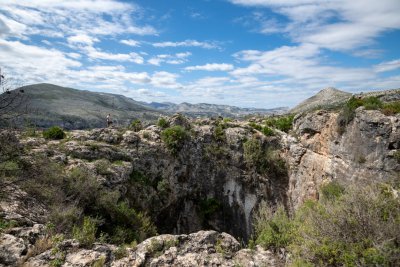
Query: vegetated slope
[69, 108]
[207, 110]
[327, 97]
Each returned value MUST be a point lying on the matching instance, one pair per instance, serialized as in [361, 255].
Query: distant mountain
[327, 97]
[207, 110]
[50, 104]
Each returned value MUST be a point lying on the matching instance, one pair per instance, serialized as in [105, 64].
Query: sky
[246, 53]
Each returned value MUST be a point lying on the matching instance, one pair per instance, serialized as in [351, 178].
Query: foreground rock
[30, 247]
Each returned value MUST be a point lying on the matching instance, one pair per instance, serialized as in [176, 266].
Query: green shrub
[6, 224]
[255, 126]
[263, 158]
[163, 123]
[356, 226]
[174, 138]
[86, 233]
[102, 166]
[136, 125]
[54, 133]
[100, 262]
[253, 153]
[283, 123]
[120, 252]
[267, 131]
[392, 108]
[219, 133]
[358, 229]
[331, 191]
[274, 230]
[372, 102]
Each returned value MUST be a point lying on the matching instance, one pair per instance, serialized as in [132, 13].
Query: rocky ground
[210, 165]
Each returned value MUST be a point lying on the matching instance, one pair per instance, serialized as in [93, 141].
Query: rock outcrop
[30, 246]
[321, 153]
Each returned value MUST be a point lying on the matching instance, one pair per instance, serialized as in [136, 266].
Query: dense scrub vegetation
[352, 226]
[80, 206]
[264, 159]
[283, 123]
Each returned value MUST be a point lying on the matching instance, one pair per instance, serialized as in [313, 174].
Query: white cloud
[298, 66]
[211, 67]
[82, 39]
[178, 58]
[387, 66]
[130, 42]
[58, 18]
[336, 25]
[163, 79]
[187, 43]
[34, 63]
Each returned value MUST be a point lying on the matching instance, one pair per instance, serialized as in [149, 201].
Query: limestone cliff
[320, 152]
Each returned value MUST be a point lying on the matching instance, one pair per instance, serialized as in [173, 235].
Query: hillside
[70, 108]
[208, 110]
[324, 98]
[76, 109]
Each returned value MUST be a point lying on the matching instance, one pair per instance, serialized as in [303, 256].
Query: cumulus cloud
[211, 67]
[82, 39]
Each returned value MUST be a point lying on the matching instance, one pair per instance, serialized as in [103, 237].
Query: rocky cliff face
[206, 185]
[321, 153]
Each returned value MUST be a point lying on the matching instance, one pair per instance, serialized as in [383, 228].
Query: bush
[174, 138]
[274, 230]
[392, 108]
[163, 123]
[54, 133]
[331, 191]
[219, 133]
[283, 123]
[267, 131]
[372, 102]
[348, 112]
[86, 233]
[120, 252]
[264, 159]
[356, 226]
[136, 125]
[264, 129]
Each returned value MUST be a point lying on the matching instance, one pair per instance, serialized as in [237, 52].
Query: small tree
[13, 102]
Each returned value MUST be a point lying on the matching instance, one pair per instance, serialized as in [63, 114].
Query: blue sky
[248, 53]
